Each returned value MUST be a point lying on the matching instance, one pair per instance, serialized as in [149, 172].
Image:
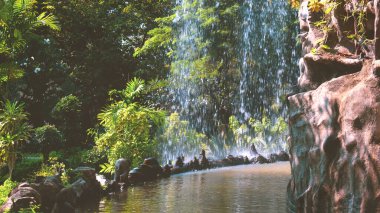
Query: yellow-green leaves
[49, 20]
[295, 4]
[315, 5]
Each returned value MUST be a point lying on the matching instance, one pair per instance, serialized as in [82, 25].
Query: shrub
[129, 128]
[67, 113]
[49, 139]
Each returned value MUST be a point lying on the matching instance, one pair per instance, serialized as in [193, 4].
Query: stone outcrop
[334, 141]
[334, 145]
[318, 68]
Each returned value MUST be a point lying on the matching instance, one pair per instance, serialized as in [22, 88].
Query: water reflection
[252, 188]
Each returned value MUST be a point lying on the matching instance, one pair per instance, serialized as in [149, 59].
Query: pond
[249, 188]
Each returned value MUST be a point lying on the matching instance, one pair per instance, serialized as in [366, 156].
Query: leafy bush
[129, 128]
[5, 189]
[49, 138]
[67, 107]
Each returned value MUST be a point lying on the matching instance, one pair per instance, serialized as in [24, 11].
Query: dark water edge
[248, 188]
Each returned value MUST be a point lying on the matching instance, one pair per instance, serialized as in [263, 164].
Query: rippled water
[250, 188]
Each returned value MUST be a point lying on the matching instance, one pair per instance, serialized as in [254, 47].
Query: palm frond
[134, 88]
[48, 20]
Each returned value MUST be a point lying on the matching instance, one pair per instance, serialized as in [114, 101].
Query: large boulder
[23, 196]
[48, 188]
[335, 145]
[149, 170]
[122, 167]
[85, 189]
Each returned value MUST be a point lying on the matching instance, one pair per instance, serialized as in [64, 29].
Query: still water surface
[250, 188]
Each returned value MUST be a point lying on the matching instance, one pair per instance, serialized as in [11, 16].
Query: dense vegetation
[86, 82]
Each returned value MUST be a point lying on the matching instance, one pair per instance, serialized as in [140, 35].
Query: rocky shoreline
[52, 196]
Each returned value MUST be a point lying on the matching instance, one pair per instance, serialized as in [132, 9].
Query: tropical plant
[49, 139]
[19, 21]
[129, 127]
[14, 129]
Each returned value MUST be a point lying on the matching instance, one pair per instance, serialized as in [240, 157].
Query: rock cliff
[334, 140]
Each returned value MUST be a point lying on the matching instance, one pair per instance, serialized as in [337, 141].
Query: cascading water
[185, 92]
[267, 67]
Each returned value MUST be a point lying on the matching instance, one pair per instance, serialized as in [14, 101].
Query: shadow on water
[252, 188]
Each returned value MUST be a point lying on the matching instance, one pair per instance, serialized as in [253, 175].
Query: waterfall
[267, 68]
[184, 90]
[268, 65]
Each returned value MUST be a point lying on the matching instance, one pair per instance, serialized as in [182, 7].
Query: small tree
[14, 129]
[49, 138]
[67, 113]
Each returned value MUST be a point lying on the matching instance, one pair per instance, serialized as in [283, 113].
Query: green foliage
[19, 21]
[14, 130]
[68, 106]
[257, 132]
[178, 135]
[49, 138]
[54, 167]
[107, 168]
[129, 127]
[5, 189]
[160, 37]
[67, 113]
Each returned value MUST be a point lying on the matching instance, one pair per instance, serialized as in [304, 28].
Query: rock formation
[334, 141]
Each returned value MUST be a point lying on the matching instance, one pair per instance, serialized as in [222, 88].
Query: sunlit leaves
[295, 4]
[315, 5]
[49, 20]
[128, 126]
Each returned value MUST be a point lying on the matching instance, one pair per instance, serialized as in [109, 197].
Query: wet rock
[260, 159]
[179, 162]
[149, 170]
[204, 161]
[273, 158]
[335, 142]
[23, 196]
[316, 69]
[122, 167]
[283, 156]
[231, 160]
